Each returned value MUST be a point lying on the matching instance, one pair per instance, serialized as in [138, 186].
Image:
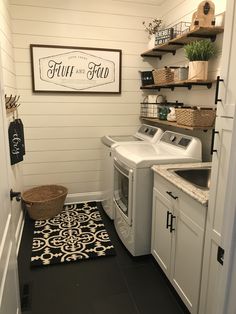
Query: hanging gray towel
[15, 143]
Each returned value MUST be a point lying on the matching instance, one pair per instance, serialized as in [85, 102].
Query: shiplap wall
[8, 86]
[7, 53]
[63, 131]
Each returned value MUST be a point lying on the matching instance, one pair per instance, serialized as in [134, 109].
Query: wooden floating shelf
[171, 46]
[187, 84]
[174, 124]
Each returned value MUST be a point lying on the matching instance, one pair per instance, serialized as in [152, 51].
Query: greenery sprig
[153, 26]
[201, 50]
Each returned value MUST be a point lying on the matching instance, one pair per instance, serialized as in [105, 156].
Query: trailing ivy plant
[201, 50]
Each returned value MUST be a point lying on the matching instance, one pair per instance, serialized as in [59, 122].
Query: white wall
[63, 131]
[7, 54]
[9, 87]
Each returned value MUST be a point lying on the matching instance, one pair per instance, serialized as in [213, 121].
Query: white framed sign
[75, 69]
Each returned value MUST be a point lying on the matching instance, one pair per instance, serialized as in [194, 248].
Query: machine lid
[138, 162]
[109, 140]
[124, 138]
[145, 133]
[172, 147]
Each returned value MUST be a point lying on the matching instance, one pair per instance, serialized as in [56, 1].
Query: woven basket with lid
[45, 201]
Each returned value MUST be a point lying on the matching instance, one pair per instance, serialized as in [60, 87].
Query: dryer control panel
[176, 139]
[147, 130]
[149, 133]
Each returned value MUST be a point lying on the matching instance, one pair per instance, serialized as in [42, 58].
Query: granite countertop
[202, 196]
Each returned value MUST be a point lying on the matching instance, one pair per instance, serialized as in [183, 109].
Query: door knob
[16, 195]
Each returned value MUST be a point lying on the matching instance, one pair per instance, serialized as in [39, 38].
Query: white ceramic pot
[198, 70]
[151, 43]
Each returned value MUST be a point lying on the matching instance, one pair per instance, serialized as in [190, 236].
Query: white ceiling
[148, 2]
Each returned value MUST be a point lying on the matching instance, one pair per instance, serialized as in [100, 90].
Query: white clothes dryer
[145, 133]
[133, 184]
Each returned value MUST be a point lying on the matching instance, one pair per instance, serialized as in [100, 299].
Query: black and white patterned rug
[76, 233]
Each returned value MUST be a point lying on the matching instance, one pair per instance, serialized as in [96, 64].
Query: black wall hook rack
[11, 103]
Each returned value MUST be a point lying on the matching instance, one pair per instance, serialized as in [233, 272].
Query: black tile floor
[118, 284]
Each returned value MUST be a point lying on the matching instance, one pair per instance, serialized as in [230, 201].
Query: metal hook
[13, 102]
[8, 100]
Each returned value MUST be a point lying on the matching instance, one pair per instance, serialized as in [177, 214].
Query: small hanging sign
[16, 141]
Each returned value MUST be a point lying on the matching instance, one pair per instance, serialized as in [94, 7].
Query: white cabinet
[178, 225]
[227, 91]
[220, 170]
[216, 213]
[212, 290]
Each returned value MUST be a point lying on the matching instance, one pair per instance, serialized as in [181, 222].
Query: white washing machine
[145, 133]
[133, 184]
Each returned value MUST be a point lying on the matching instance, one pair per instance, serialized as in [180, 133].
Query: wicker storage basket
[44, 202]
[163, 76]
[195, 117]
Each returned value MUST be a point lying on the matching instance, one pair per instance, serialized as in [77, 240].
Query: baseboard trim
[83, 197]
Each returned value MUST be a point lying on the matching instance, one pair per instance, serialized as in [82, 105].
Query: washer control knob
[172, 138]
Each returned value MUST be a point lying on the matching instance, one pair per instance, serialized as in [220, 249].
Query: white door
[216, 214]
[9, 291]
[226, 104]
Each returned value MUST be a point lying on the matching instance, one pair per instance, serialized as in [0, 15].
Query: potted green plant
[198, 53]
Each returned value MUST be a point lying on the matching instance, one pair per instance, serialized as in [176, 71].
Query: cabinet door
[215, 216]
[220, 170]
[161, 236]
[227, 92]
[186, 258]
